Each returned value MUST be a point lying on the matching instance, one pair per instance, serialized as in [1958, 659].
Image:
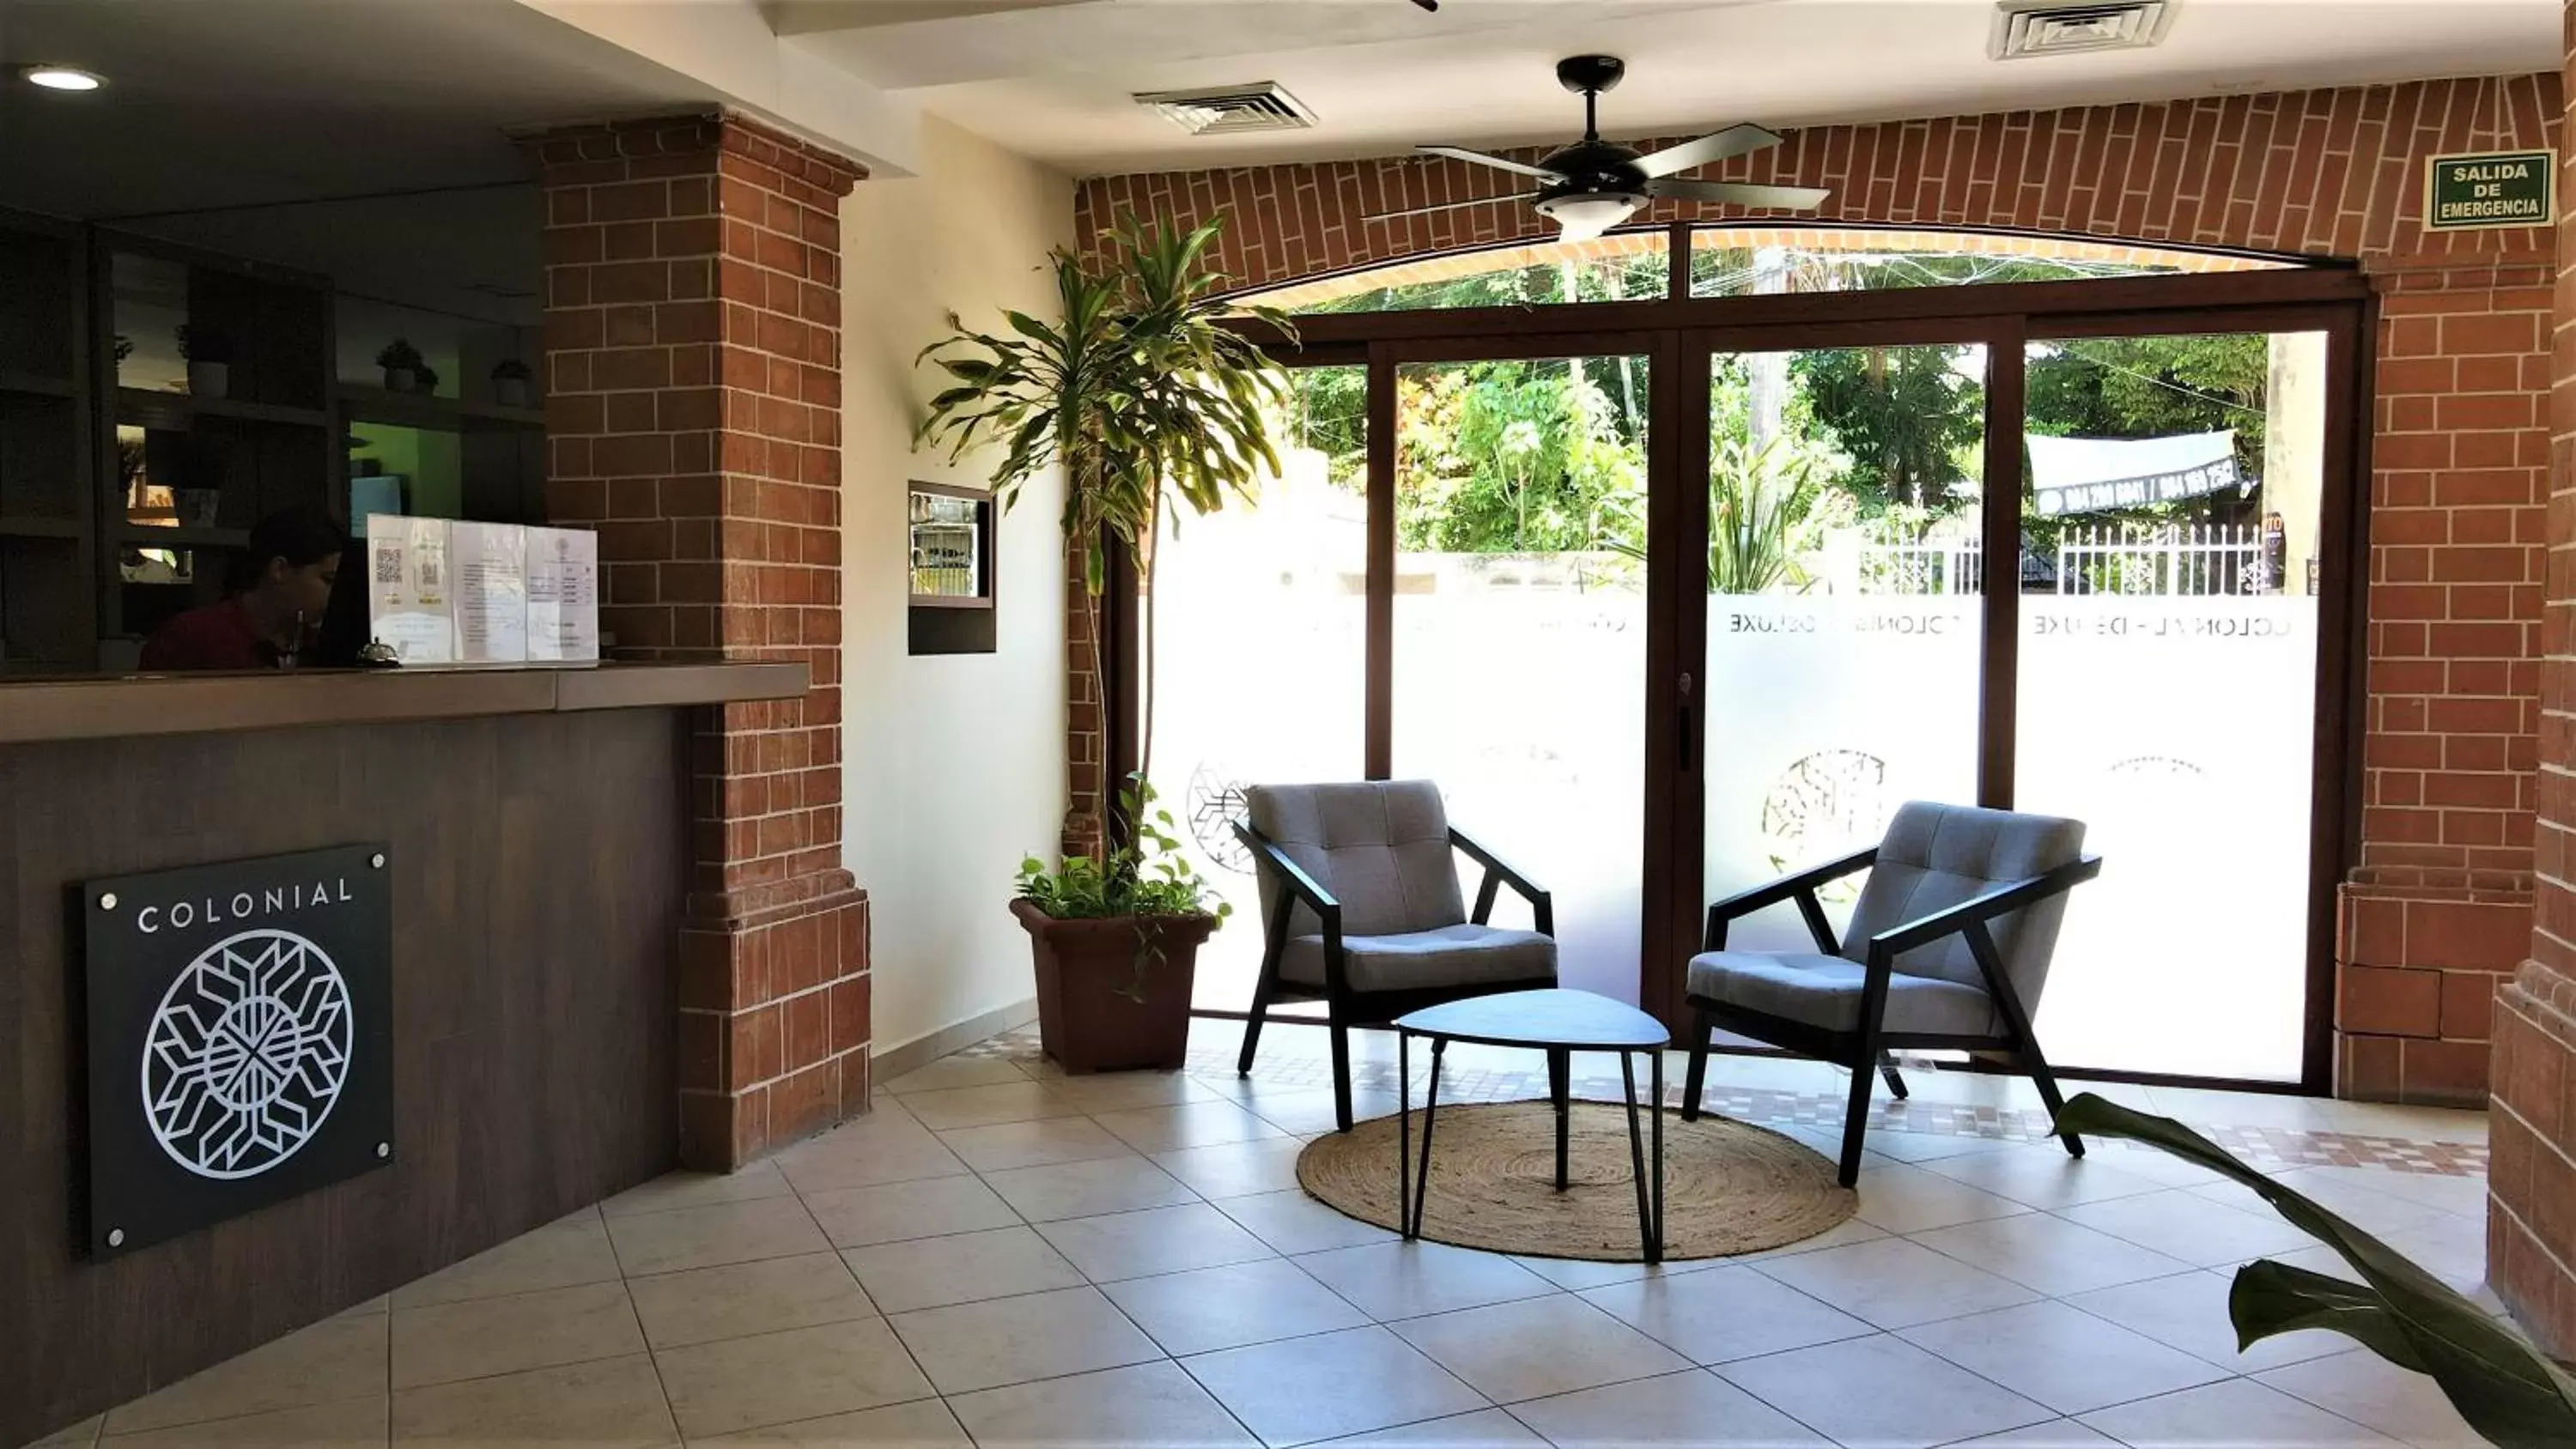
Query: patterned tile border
[2267, 1147]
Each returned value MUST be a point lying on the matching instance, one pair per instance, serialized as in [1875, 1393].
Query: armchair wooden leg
[2046, 1080]
[1560, 1086]
[1856, 1117]
[1342, 1071]
[1895, 1079]
[1696, 1076]
[1264, 988]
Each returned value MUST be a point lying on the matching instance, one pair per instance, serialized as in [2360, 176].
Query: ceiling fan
[1593, 185]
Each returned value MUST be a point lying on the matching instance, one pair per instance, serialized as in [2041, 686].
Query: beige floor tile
[471, 1340]
[613, 1404]
[1014, 1340]
[1088, 1189]
[702, 1237]
[2043, 1176]
[778, 1378]
[2414, 1124]
[2460, 1196]
[1191, 1124]
[349, 1424]
[960, 1268]
[338, 1358]
[1156, 1240]
[1483, 1429]
[1578, 1274]
[2368, 1208]
[2050, 1254]
[562, 1254]
[1725, 1313]
[1881, 1392]
[1694, 1408]
[1905, 1199]
[2206, 1107]
[1304, 1111]
[2061, 1357]
[1894, 1284]
[1902, 1146]
[867, 1154]
[1292, 1222]
[699, 1189]
[2056, 1434]
[950, 1073]
[1019, 1101]
[1303, 1389]
[1535, 1347]
[1408, 1280]
[930, 1207]
[2181, 1224]
[2189, 1311]
[1130, 1091]
[375, 1307]
[1039, 1143]
[1236, 1169]
[1841, 1234]
[2369, 1390]
[2236, 1414]
[737, 1300]
[921, 1424]
[1148, 1404]
[73, 1436]
[1228, 1307]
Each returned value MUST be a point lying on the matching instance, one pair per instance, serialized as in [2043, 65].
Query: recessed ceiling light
[62, 78]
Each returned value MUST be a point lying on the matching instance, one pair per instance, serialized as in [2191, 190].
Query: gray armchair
[1360, 907]
[1949, 949]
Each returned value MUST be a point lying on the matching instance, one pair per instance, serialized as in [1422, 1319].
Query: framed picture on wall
[948, 542]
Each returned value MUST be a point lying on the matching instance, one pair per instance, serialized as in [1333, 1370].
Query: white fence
[2179, 561]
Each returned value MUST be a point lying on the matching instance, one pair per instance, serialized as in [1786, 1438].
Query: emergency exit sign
[2470, 193]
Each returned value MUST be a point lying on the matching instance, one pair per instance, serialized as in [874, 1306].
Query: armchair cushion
[1825, 992]
[1380, 847]
[1459, 955]
[1936, 856]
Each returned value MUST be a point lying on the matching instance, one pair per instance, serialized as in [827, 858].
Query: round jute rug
[1729, 1187]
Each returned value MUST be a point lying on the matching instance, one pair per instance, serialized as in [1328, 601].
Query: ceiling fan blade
[1715, 146]
[1503, 199]
[1504, 163]
[1736, 193]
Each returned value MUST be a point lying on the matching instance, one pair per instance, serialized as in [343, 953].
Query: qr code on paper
[389, 567]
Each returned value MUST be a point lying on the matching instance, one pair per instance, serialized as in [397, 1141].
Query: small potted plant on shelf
[209, 355]
[1142, 396]
[1117, 944]
[513, 385]
[405, 369]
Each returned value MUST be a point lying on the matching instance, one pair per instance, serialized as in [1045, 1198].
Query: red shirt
[218, 636]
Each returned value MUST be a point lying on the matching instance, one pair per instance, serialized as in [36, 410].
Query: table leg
[1655, 1249]
[1637, 1155]
[1404, 1131]
[1430, 1107]
[1560, 1089]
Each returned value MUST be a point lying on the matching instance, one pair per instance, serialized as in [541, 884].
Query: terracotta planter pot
[1084, 1020]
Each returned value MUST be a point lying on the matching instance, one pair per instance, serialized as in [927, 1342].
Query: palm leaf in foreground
[2502, 1386]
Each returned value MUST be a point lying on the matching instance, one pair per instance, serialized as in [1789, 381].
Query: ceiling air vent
[2069, 27]
[1229, 110]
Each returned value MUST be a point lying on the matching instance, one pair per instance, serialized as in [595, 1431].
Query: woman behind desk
[279, 594]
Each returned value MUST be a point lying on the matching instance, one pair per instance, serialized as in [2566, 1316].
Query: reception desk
[533, 826]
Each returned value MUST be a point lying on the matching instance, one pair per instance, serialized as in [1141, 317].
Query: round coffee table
[1558, 1022]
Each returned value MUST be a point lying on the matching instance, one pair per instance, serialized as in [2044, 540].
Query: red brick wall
[693, 312]
[2531, 1176]
[2439, 910]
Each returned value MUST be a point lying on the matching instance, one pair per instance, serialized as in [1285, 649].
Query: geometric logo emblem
[1215, 802]
[246, 1054]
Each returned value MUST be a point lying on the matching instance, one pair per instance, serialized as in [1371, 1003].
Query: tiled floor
[1002, 1255]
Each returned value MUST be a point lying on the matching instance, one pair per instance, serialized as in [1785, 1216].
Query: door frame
[1680, 336]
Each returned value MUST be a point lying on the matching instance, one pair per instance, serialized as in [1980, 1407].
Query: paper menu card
[563, 595]
[490, 589]
[410, 604]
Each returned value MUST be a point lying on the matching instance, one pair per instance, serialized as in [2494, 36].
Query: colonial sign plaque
[240, 1038]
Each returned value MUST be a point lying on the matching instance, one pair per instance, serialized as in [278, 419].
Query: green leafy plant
[1762, 514]
[2502, 1386]
[400, 356]
[1145, 875]
[1138, 389]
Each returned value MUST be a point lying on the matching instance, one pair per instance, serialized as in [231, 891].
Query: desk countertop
[35, 711]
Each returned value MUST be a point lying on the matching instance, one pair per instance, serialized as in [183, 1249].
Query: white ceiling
[1052, 78]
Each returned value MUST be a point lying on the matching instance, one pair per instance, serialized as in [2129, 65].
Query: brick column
[693, 391]
[2531, 1176]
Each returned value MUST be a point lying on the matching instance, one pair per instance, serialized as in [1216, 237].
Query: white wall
[954, 765]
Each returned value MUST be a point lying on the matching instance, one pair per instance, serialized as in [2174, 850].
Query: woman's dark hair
[303, 535]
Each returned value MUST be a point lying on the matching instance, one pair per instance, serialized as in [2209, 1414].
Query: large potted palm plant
[1146, 399]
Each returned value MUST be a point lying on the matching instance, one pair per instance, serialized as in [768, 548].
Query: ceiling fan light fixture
[1585, 215]
[62, 78]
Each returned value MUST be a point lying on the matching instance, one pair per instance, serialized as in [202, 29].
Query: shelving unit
[435, 414]
[48, 545]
